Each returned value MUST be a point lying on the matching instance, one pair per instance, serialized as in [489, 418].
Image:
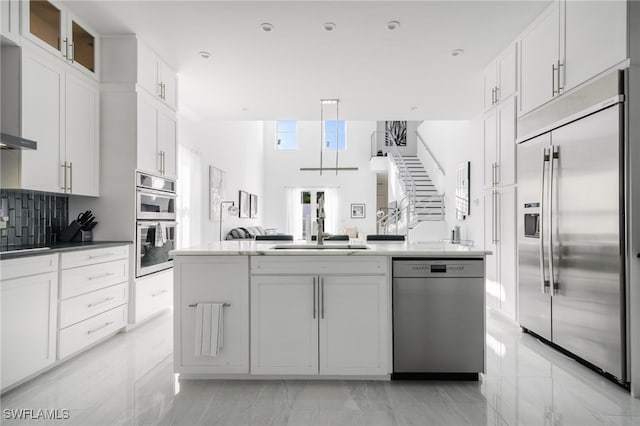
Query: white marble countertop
[266, 248]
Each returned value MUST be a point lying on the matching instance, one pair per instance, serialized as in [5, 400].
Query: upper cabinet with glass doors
[53, 27]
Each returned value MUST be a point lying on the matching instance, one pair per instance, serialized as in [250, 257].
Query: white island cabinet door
[213, 279]
[284, 325]
[354, 321]
[29, 312]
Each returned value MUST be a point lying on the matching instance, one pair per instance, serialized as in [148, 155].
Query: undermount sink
[322, 247]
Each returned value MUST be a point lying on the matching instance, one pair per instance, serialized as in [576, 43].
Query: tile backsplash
[34, 217]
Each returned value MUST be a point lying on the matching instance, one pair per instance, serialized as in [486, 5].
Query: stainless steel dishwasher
[438, 319]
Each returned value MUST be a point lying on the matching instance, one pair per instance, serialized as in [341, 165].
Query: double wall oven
[156, 223]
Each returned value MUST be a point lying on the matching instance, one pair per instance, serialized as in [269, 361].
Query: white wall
[282, 170]
[233, 146]
[453, 143]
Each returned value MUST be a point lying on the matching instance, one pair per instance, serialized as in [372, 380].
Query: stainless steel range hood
[8, 141]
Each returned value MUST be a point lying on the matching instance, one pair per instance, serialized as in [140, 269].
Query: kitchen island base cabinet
[222, 279]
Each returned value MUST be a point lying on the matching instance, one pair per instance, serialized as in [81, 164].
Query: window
[286, 135]
[302, 210]
[334, 135]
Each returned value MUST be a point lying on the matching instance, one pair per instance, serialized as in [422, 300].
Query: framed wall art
[358, 211]
[253, 205]
[216, 191]
[244, 204]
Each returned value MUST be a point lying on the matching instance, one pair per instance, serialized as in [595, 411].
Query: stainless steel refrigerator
[571, 226]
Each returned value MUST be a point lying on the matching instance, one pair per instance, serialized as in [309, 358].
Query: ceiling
[377, 74]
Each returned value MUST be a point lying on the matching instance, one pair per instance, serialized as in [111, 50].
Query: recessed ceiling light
[457, 52]
[266, 27]
[329, 26]
[244, 109]
[393, 25]
[413, 108]
[204, 54]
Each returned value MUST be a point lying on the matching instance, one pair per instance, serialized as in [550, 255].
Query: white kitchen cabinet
[499, 78]
[500, 239]
[156, 77]
[571, 42]
[318, 316]
[221, 279]
[81, 135]
[152, 295]
[284, 325]
[29, 315]
[10, 20]
[595, 39]
[60, 111]
[353, 325]
[539, 56]
[156, 137]
[51, 26]
[500, 145]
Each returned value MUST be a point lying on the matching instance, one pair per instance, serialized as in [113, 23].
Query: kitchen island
[294, 311]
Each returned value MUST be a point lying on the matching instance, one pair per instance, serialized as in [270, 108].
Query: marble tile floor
[129, 380]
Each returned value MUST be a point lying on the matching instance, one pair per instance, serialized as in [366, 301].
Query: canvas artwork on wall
[357, 211]
[463, 192]
[216, 191]
[244, 204]
[253, 203]
[395, 133]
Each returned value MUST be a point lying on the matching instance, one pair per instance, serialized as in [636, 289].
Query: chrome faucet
[320, 221]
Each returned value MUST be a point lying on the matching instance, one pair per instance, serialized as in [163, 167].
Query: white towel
[161, 237]
[209, 329]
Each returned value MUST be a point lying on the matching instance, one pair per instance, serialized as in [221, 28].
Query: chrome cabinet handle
[544, 283]
[71, 53]
[322, 297]
[64, 171]
[164, 162]
[70, 177]
[95, 277]
[66, 49]
[497, 91]
[91, 305]
[159, 293]
[553, 80]
[497, 173]
[159, 92]
[100, 255]
[160, 161]
[106, 324]
[560, 86]
[314, 297]
[497, 216]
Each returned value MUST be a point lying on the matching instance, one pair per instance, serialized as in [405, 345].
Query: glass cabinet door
[84, 47]
[45, 22]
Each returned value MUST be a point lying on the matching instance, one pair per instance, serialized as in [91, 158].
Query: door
[534, 302]
[167, 142]
[82, 137]
[29, 318]
[595, 39]
[148, 158]
[506, 68]
[43, 23]
[353, 325]
[148, 70]
[42, 115]
[284, 325]
[222, 280]
[505, 173]
[587, 314]
[83, 46]
[507, 242]
[539, 54]
[491, 244]
[169, 80]
[489, 83]
[490, 149]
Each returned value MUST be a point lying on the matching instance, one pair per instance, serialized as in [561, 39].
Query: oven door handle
[156, 192]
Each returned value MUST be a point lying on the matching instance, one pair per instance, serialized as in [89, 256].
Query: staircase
[421, 202]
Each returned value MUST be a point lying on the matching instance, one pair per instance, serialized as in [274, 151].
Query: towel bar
[224, 305]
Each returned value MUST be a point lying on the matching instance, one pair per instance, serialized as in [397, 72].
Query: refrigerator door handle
[544, 283]
[554, 154]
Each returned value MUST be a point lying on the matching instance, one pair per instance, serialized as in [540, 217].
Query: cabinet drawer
[78, 336]
[30, 265]
[83, 280]
[311, 265]
[153, 294]
[90, 257]
[82, 307]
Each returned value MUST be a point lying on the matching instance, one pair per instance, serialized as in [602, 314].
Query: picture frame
[216, 191]
[463, 190]
[253, 205]
[358, 211]
[244, 204]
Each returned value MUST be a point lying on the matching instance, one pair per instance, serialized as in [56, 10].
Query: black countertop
[39, 250]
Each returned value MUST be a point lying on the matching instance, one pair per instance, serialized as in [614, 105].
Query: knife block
[83, 236]
[70, 231]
